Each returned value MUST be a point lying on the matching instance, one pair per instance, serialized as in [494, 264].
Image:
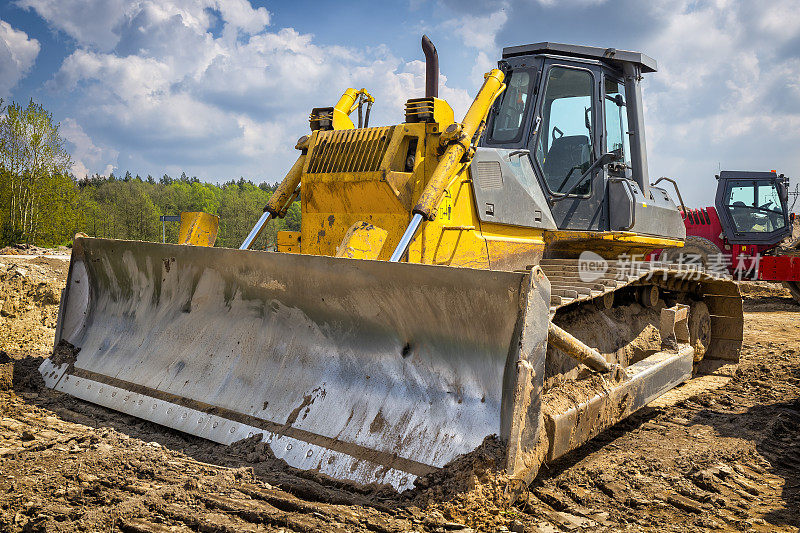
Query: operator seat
[565, 153]
[742, 216]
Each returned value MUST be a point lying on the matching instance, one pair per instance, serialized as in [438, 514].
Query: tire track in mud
[146, 487]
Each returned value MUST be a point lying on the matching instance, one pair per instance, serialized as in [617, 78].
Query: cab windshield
[508, 122]
[755, 206]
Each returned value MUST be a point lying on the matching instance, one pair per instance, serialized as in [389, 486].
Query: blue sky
[222, 88]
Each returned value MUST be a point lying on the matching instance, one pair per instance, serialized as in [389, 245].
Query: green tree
[292, 220]
[32, 151]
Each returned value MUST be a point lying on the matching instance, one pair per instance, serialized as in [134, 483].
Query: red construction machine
[749, 231]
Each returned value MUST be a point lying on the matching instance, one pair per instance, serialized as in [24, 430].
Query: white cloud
[219, 103]
[570, 3]
[779, 20]
[241, 15]
[85, 153]
[478, 31]
[133, 77]
[86, 21]
[96, 22]
[483, 64]
[17, 54]
[261, 139]
[723, 96]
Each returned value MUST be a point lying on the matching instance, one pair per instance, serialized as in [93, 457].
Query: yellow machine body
[198, 229]
[288, 242]
[364, 175]
[341, 186]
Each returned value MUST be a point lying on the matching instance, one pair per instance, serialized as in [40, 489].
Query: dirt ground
[719, 453]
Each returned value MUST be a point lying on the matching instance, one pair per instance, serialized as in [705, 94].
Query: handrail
[675, 185]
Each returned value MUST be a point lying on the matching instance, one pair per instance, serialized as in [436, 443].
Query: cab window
[616, 121]
[564, 147]
[755, 206]
[508, 121]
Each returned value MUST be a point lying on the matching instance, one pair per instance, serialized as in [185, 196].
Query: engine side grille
[489, 175]
[358, 150]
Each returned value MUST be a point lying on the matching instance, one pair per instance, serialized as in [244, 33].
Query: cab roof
[611, 56]
[746, 174]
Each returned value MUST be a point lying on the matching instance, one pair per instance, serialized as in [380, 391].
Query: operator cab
[574, 113]
[752, 207]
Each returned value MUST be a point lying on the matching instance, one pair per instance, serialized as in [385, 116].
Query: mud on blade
[364, 370]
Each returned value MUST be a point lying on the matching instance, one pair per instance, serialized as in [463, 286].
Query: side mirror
[783, 192]
[609, 157]
[619, 100]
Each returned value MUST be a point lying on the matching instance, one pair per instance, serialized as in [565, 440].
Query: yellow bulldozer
[450, 281]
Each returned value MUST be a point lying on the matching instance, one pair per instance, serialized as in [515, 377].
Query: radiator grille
[489, 175]
[358, 150]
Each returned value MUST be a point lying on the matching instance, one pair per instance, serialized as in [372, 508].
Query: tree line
[42, 203]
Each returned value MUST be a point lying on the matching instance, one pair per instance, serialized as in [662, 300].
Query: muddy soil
[30, 290]
[30, 249]
[721, 453]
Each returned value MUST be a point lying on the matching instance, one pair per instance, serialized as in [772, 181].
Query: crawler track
[570, 289]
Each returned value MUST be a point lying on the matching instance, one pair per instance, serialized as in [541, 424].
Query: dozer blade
[364, 370]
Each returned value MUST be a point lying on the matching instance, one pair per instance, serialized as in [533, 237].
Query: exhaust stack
[431, 68]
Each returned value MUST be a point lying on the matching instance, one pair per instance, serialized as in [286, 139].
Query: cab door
[567, 143]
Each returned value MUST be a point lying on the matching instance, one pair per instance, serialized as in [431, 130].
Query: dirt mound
[30, 290]
[255, 450]
[64, 353]
[26, 375]
[762, 289]
[30, 249]
[792, 242]
[6, 371]
[766, 296]
[470, 491]
[21, 375]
